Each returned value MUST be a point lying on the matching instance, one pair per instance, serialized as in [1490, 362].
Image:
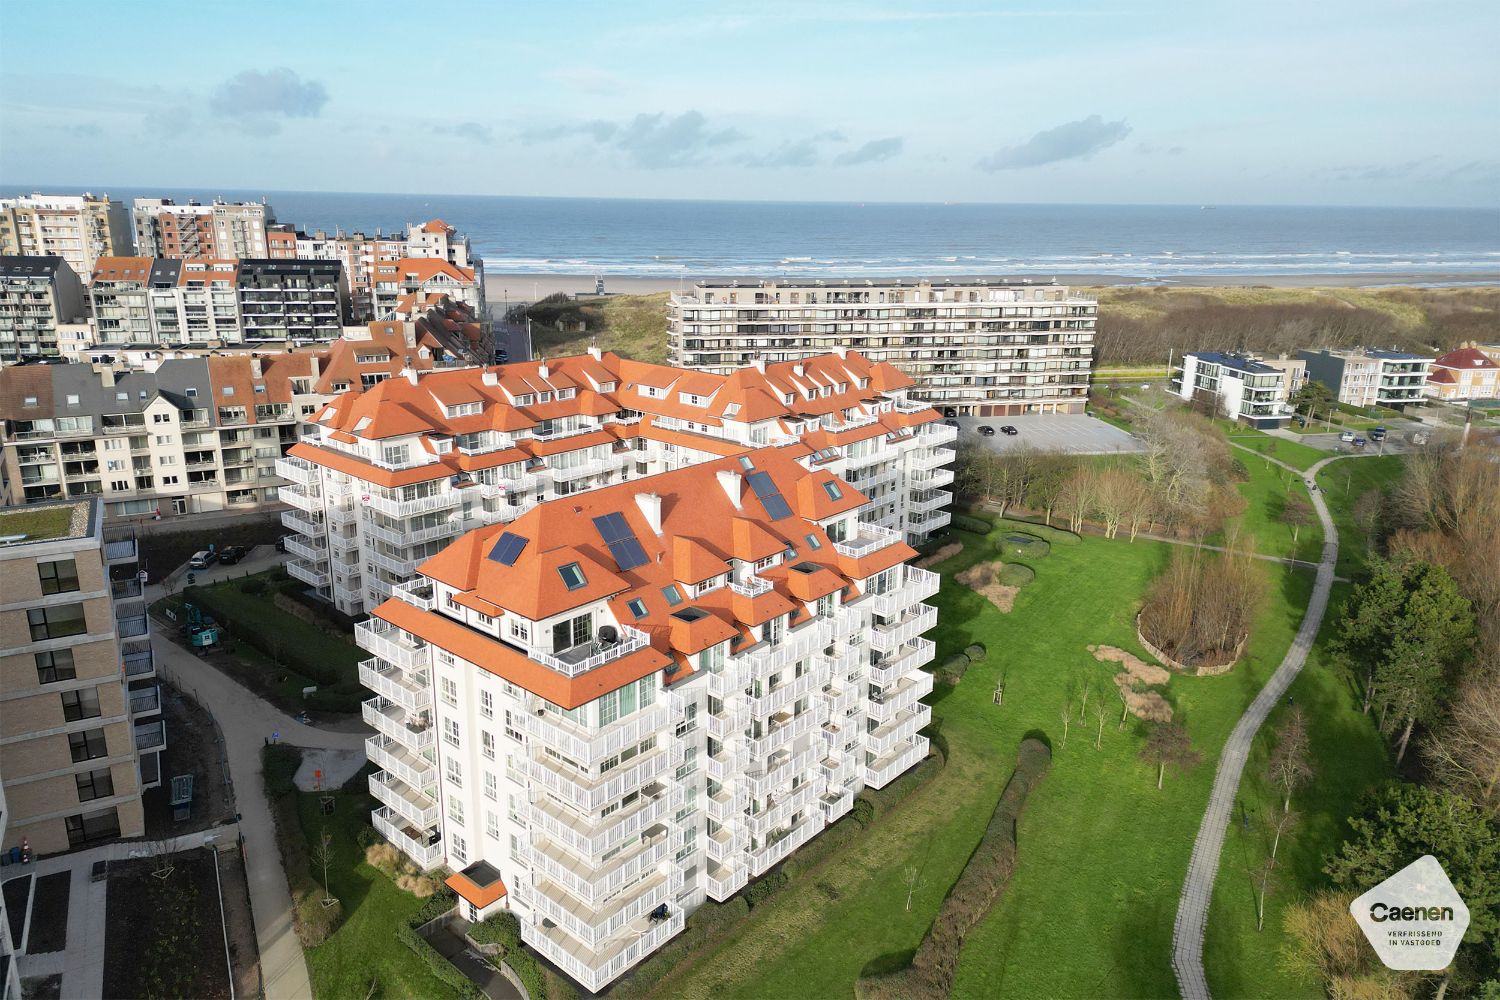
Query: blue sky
[1379, 102]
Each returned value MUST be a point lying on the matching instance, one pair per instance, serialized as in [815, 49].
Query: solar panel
[623, 546]
[508, 548]
[770, 497]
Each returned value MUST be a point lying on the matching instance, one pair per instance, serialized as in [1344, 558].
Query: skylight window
[833, 491]
[572, 576]
[508, 548]
[745, 463]
[672, 594]
[637, 607]
[813, 543]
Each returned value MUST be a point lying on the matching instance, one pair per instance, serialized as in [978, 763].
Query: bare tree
[1077, 495]
[1464, 754]
[1296, 512]
[1067, 718]
[1280, 826]
[1263, 878]
[322, 856]
[912, 875]
[1291, 758]
[1101, 711]
[1169, 744]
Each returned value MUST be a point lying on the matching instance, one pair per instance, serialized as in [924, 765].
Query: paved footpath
[247, 722]
[1203, 868]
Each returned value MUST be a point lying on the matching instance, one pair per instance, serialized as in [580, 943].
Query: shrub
[975, 652]
[953, 668]
[978, 888]
[503, 929]
[1016, 575]
[765, 887]
[418, 885]
[384, 858]
[970, 523]
[1199, 610]
[1023, 545]
[1046, 532]
[315, 922]
[367, 837]
[438, 904]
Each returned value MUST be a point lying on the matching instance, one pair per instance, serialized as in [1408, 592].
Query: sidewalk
[248, 722]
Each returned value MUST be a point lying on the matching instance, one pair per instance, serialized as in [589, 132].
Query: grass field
[1265, 494]
[1293, 453]
[364, 951]
[1342, 483]
[633, 326]
[1102, 852]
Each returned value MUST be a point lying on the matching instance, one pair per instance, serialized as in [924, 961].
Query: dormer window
[525, 399]
[566, 393]
[731, 409]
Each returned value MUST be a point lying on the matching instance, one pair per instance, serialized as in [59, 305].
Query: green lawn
[1102, 852]
[1265, 494]
[1342, 483]
[364, 950]
[1351, 758]
[1293, 453]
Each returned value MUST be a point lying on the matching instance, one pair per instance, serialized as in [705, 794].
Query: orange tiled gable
[422, 269]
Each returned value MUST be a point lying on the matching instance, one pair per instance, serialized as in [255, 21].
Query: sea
[663, 238]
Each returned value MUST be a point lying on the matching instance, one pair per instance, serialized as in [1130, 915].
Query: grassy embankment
[633, 326]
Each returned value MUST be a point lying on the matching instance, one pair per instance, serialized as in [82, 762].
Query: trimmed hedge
[1046, 532]
[504, 929]
[953, 668]
[972, 524]
[1023, 545]
[1016, 574]
[975, 652]
[436, 905]
[765, 887]
[979, 887]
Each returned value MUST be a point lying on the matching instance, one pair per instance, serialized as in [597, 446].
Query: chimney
[650, 505]
[489, 377]
[730, 480]
[798, 370]
[760, 365]
[255, 367]
[543, 371]
[409, 334]
[106, 376]
[411, 375]
[595, 353]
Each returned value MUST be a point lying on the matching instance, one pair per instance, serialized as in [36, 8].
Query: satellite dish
[608, 635]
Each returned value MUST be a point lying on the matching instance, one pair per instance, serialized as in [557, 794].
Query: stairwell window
[487, 704]
[455, 772]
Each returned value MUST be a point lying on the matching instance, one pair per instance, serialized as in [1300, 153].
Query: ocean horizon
[680, 238]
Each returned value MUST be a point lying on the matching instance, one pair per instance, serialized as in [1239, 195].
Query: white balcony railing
[297, 470]
[870, 538]
[409, 690]
[392, 507]
[910, 625]
[390, 719]
[421, 846]
[582, 659]
[307, 573]
[391, 644]
[410, 803]
[389, 755]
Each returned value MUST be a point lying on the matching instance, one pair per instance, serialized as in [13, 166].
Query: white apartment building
[78, 228]
[1365, 377]
[630, 701]
[387, 477]
[226, 230]
[982, 348]
[1237, 385]
[401, 284]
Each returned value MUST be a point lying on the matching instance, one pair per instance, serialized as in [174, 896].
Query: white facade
[1239, 387]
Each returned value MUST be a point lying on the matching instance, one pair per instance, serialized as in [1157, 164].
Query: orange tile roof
[476, 895]
[122, 268]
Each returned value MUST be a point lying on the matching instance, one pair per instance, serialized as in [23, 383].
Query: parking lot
[1071, 433]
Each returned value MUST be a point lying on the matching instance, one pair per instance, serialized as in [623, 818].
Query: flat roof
[1238, 362]
[45, 522]
[879, 283]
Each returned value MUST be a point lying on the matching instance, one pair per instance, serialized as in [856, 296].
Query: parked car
[1377, 434]
[1008, 429]
[281, 543]
[202, 559]
[231, 554]
[501, 357]
[986, 430]
[951, 422]
[1359, 442]
[949, 411]
[1346, 437]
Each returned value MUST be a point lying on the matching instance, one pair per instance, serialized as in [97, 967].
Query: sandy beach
[519, 287]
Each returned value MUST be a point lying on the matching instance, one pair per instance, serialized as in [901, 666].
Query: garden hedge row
[436, 905]
[970, 523]
[979, 887]
[504, 929]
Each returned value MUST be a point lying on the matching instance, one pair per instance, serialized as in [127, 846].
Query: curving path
[1203, 868]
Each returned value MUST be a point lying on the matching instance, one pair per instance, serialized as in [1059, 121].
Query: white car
[1346, 437]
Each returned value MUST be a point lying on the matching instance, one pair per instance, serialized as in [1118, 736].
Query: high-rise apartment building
[399, 284]
[985, 348]
[301, 301]
[78, 228]
[226, 230]
[385, 478]
[195, 301]
[119, 300]
[633, 699]
[38, 297]
[81, 733]
[1365, 377]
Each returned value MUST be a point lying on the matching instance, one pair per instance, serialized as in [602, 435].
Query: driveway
[1073, 434]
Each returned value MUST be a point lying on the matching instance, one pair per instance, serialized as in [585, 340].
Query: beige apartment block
[40, 297]
[981, 348]
[78, 228]
[80, 710]
[227, 230]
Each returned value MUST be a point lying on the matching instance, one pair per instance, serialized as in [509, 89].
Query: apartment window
[491, 787]
[87, 745]
[492, 824]
[81, 704]
[460, 849]
[487, 704]
[55, 666]
[86, 828]
[56, 622]
[60, 577]
[455, 812]
[449, 689]
[450, 731]
[520, 630]
[92, 785]
[487, 745]
[396, 456]
[455, 773]
[573, 632]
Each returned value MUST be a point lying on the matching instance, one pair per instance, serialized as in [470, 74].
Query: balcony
[298, 470]
[891, 734]
[589, 794]
[119, 548]
[724, 881]
[301, 546]
[421, 846]
[591, 655]
[751, 586]
[402, 537]
[395, 565]
[145, 700]
[589, 746]
[592, 885]
[910, 625]
[390, 719]
[917, 585]
[939, 434]
[137, 659]
[307, 573]
[416, 770]
[595, 969]
[312, 527]
[418, 593]
[397, 508]
[593, 467]
[307, 498]
[412, 805]
[900, 696]
[937, 457]
[150, 736]
[901, 661]
[591, 839]
[782, 730]
[764, 858]
[391, 644]
[132, 627]
[412, 692]
[594, 927]
[777, 771]
[932, 479]
[904, 757]
[937, 500]
[870, 538]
